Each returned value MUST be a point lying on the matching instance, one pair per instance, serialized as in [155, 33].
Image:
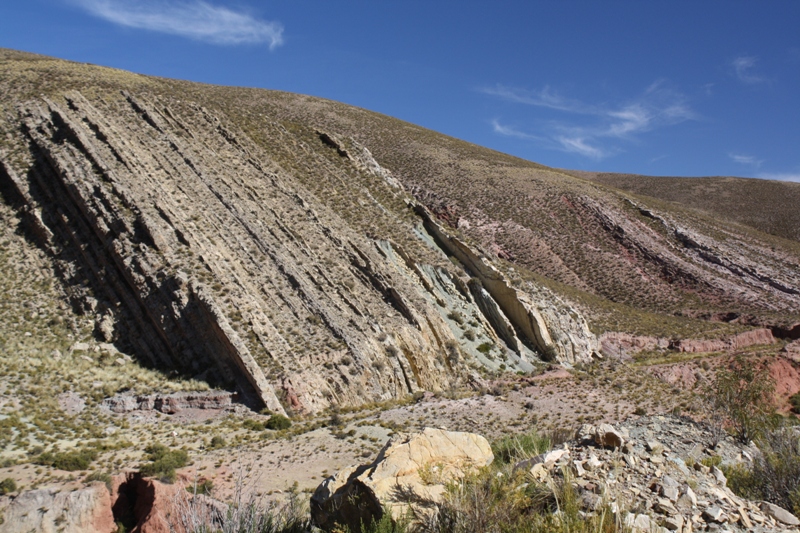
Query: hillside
[184, 264]
[767, 206]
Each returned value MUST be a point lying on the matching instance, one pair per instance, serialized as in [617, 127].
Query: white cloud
[195, 19]
[656, 107]
[780, 176]
[510, 131]
[579, 146]
[748, 160]
[743, 66]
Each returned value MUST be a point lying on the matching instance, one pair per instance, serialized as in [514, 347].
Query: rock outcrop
[623, 345]
[46, 510]
[408, 478]
[169, 403]
[200, 250]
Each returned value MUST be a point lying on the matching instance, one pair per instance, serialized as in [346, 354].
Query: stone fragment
[670, 493]
[608, 437]
[539, 472]
[780, 514]
[653, 445]
[579, 471]
[719, 476]
[714, 514]
[744, 520]
[669, 481]
[673, 523]
[592, 463]
[585, 434]
[664, 506]
[689, 493]
[591, 501]
[638, 522]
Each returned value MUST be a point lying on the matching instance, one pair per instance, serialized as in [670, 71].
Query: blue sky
[687, 88]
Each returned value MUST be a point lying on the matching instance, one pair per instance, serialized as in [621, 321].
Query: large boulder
[77, 511]
[408, 478]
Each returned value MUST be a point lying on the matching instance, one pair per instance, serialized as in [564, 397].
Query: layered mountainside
[768, 206]
[312, 254]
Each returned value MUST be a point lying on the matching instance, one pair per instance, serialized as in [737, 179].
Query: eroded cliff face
[198, 249]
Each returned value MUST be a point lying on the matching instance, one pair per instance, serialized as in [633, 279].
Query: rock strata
[200, 250]
[170, 403]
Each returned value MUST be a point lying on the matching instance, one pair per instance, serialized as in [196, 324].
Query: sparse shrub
[278, 422]
[253, 425]
[69, 461]
[217, 441]
[248, 514]
[163, 462]
[485, 347]
[7, 485]
[498, 499]
[336, 420]
[640, 411]
[775, 472]
[105, 477]
[453, 353]
[514, 448]
[794, 399]
[714, 460]
[742, 393]
[204, 487]
[456, 317]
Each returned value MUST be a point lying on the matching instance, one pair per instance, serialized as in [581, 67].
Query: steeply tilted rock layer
[199, 250]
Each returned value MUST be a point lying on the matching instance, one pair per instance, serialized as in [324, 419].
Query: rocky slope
[198, 249]
[252, 240]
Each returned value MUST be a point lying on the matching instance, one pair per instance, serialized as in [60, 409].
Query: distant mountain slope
[314, 254]
[768, 206]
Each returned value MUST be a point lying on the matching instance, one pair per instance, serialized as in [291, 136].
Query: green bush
[794, 399]
[278, 422]
[742, 393]
[7, 485]
[485, 347]
[253, 425]
[217, 441]
[69, 461]
[163, 462]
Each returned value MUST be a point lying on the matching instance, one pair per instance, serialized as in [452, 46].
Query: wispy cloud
[780, 176]
[195, 19]
[510, 131]
[747, 160]
[656, 107]
[579, 145]
[743, 66]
